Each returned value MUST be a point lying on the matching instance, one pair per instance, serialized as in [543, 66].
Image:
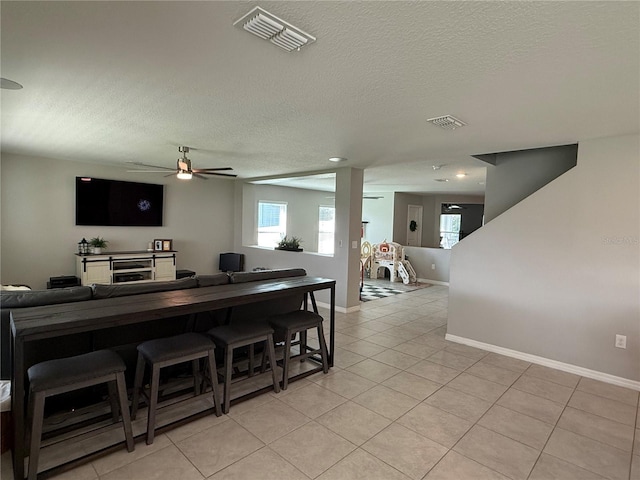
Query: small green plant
[98, 242]
[287, 243]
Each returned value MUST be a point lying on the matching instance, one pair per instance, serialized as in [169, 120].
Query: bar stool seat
[54, 377]
[238, 335]
[298, 322]
[164, 352]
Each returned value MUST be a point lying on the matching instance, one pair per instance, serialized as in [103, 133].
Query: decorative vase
[96, 250]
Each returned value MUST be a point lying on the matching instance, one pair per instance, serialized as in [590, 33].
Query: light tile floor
[403, 403]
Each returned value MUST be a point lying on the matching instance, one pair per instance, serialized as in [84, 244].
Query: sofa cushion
[111, 291]
[212, 280]
[15, 299]
[242, 277]
[37, 298]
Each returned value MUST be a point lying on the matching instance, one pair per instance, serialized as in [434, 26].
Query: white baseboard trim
[434, 282]
[339, 309]
[546, 362]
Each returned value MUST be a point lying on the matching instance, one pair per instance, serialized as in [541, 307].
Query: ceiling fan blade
[203, 170]
[151, 166]
[200, 176]
[219, 174]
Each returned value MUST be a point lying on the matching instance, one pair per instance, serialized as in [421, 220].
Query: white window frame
[269, 236]
[325, 230]
[449, 236]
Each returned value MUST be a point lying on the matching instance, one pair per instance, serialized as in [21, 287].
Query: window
[272, 223]
[326, 229]
[449, 229]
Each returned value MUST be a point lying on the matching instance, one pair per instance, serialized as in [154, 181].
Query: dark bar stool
[240, 335]
[164, 352]
[54, 377]
[299, 321]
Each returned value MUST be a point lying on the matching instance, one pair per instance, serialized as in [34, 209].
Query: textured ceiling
[112, 82]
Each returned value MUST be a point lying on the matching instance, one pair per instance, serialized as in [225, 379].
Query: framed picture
[157, 245]
[166, 245]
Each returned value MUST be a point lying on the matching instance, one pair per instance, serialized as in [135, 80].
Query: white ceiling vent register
[447, 122]
[277, 31]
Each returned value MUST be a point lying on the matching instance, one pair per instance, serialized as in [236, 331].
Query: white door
[414, 220]
[165, 269]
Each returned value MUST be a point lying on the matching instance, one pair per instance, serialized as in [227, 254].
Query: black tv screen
[118, 203]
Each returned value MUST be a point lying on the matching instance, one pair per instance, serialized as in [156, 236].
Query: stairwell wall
[558, 275]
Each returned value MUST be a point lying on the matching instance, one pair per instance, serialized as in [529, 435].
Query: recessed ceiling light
[437, 167]
[337, 159]
[461, 175]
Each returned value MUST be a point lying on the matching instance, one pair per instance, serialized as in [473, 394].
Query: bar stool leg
[213, 376]
[323, 349]
[121, 386]
[285, 360]
[228, 361]
[263, 361]
[137, 386]
[303, 344]
[252, 352]
[115, 414]
[196, 375]
[153, 404]
[36, 434]
[273, 363]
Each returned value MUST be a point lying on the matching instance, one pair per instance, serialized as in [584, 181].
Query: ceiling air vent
[447, 122]
[271, 28]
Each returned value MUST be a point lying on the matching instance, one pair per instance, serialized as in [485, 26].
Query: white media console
[126, 267]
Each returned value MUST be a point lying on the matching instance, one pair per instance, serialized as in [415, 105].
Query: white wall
[343, 266]
[302, 211]
[379, 214]
[558, 275]
[39, 237]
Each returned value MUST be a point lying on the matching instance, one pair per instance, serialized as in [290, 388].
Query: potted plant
[291, 244]
[97, 244]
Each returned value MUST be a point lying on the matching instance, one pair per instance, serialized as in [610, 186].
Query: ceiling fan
[183, 168]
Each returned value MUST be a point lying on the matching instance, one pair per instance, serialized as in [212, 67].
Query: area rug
[373, 292]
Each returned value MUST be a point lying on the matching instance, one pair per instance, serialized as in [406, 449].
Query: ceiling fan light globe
[184, 175]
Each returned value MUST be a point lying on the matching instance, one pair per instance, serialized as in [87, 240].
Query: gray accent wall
[558, 274]
[39, 236]
[516, 175]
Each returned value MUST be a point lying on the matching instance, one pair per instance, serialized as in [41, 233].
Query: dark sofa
[124, 339]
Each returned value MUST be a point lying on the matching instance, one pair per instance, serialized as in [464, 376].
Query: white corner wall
[558, 275]
[343, 266]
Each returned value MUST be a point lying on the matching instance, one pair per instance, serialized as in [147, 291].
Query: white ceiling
[112, 82]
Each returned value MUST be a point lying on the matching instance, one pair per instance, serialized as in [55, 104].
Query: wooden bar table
[53, 321]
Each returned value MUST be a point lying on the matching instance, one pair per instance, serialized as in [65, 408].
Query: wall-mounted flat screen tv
[118, 203]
